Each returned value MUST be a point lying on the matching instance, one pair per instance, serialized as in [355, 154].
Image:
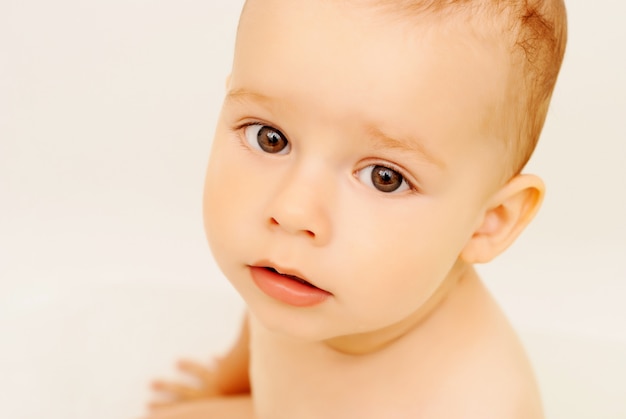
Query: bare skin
[233, 407]
[475, 369]
[479, 364]
[227, 379]
[356, 159]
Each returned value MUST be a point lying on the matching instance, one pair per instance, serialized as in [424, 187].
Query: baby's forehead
[394, 37]
[486, 20]
[434, 85]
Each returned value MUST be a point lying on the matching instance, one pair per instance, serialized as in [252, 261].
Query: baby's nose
[301, 208]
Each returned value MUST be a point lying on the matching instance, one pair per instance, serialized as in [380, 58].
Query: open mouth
[292, 277]
[289, 287]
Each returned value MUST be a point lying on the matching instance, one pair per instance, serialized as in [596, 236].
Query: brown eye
[383, 178]
[267, 139]
[386, 180]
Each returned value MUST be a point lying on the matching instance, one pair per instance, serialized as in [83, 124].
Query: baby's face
[350, 151]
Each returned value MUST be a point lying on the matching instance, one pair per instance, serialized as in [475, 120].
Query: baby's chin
[355, 336]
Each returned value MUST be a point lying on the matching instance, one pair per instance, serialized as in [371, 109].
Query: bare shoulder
[492, 380]
[485, 372]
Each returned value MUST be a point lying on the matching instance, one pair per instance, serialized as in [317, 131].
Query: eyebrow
[244, 95]
[380, 140]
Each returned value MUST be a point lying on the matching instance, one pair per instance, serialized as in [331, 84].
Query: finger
[169, 411]
[157, 405]
[180, 391]
[176, 411]
[205, 373]
[163, 405]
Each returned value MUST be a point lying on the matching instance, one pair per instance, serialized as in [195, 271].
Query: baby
[368, 154]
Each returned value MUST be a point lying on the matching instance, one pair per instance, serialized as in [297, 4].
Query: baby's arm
[233, 369]
[227, 377]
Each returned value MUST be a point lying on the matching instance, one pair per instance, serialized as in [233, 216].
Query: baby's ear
[227, 82]
[508, 213]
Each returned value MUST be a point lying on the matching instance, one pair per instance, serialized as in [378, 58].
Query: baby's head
[374, 147]
[526, 39]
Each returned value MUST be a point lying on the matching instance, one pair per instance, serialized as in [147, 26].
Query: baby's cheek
[395, 271]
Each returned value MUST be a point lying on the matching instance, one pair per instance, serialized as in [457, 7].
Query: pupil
[386, 179]
[270, 140]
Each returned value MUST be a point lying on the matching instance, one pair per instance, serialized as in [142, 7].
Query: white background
[107, 110]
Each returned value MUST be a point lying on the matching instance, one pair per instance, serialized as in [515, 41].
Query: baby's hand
[172, 392]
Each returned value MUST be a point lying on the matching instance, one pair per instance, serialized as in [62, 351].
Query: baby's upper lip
[285, 271]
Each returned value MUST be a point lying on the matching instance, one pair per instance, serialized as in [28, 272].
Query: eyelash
[240, 130]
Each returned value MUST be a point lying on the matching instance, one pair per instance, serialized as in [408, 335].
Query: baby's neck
[441, 301]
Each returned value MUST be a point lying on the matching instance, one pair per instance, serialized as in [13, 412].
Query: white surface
[90, 350]
[106, 115]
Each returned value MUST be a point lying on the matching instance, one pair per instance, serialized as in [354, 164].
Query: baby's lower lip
[288, 289]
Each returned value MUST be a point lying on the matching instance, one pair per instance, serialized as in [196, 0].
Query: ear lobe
[509, 212]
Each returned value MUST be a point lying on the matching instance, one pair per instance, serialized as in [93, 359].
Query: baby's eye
[267, 139]
[383, 178]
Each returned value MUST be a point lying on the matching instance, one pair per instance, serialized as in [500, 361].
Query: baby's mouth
[292, 277]
[288, 286]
